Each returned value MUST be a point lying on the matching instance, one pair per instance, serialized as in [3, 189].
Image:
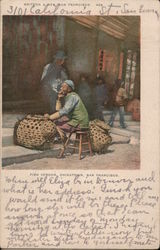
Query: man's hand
[60, 95]
[54, 116]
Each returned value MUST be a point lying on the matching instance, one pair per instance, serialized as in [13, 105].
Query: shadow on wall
[28, 44]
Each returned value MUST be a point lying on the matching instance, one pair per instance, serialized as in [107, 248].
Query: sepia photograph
[71, 92]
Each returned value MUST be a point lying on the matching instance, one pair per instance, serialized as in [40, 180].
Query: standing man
[53, 76]
[101, 97]
[119, 100]
[85, 93]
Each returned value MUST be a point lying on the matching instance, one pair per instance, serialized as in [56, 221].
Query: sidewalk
[125, 146]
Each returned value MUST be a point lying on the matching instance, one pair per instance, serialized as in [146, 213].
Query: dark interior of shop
[108, 46]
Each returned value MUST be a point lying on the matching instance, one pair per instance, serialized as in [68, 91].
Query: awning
[119, 27]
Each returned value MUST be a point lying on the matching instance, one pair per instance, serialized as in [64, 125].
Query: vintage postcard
[80, 124]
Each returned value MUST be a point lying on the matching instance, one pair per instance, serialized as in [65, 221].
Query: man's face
[64, 88]
[60, 61]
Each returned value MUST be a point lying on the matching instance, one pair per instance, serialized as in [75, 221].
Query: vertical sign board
[102, 60]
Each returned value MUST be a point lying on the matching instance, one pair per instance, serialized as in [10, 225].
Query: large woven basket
[99, 135]
[34, 132]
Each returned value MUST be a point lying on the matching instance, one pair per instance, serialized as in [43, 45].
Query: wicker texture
[34, 132]
[37, 132]
[99, 135]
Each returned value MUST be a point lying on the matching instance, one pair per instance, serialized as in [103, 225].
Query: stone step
[12, 154]
[7, 133]
[127, 117]
[129, 123]
[109, 112]
[119, 139]
[125, 132]
[131, 137]
[17, 154]
[27, 105]
[9, 120]
[134, 128]
[7, 137]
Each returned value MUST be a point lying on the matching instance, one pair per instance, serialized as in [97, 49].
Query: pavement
[124, 157]
[123, 153]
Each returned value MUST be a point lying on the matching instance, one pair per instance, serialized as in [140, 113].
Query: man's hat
[60, 55]
[70, 83]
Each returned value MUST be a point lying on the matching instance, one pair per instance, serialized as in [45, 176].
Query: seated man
[73, 114]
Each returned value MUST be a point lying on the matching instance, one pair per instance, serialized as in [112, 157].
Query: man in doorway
[53, 76]
[100, 97]
[85, 93]
[119, 100]
[73, 114]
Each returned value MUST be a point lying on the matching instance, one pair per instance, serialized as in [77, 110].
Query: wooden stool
[80, 135]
